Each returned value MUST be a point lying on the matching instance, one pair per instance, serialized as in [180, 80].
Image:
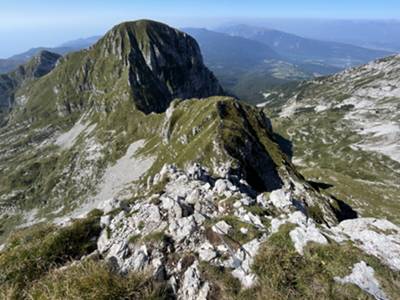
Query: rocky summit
[126, 173]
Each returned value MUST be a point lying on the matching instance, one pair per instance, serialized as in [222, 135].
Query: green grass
[93, 280]
[365, 180]
[32, 252]
[285, 274]
[235, 238]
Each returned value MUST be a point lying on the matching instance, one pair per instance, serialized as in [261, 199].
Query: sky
[28, 23]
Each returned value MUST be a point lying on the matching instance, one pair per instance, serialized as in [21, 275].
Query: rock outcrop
[224, 222]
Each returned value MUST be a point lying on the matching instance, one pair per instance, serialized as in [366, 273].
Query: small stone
[199, 218]
[192, 287]
[280, 199]
[136, 262]
[247, 201]
[105, 221]
[262, 199]
[363, 276]
[206, 252]
[244, 230]
[228, 194]
[222, 248]
[109, 205]
[302, 235]
[193, 197]
[245, 257]
[206, 187]
[247, 280]
[237, 204]
[182, 228]
[221, 227]
[220, 186]
[233, 188]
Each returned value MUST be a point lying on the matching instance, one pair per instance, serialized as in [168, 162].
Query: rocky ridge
[222, 222]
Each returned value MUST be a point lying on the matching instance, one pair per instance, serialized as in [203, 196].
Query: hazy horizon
[27, 24]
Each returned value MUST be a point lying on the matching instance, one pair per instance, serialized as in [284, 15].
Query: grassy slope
[322, 147]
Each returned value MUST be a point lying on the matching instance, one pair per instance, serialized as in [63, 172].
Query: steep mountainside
[39, 66]
[307, 50]
[127, 176]
[346, 131]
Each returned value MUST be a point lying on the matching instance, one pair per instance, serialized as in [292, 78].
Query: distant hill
[247, 67]
[340, 55]
[373, 34]
[81, 43]
[11, 63]
[221, 50]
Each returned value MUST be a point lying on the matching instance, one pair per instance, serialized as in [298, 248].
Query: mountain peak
[41, 64]
[144, 62]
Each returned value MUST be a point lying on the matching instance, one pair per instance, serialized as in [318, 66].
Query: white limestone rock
[302, 235]
[244, 230]
[207, 252]
[136, 262]
[105, 221]
[192, 287]
[280, 199]
[363, 276]
[262, 199]
[297, 218]
[379, 238]
[109, 205]
[225, 187]
[182, 228]
[193, 197]
[242, 262]
[221, 227]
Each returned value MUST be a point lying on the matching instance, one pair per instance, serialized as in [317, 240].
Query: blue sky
[28, 23]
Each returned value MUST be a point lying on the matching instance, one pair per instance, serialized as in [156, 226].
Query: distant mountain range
[248, 60]
[11, 63]
[374, 34]
[306, 50]
[243, 66]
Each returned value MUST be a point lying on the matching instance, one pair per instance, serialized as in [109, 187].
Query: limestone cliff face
[163, 64]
